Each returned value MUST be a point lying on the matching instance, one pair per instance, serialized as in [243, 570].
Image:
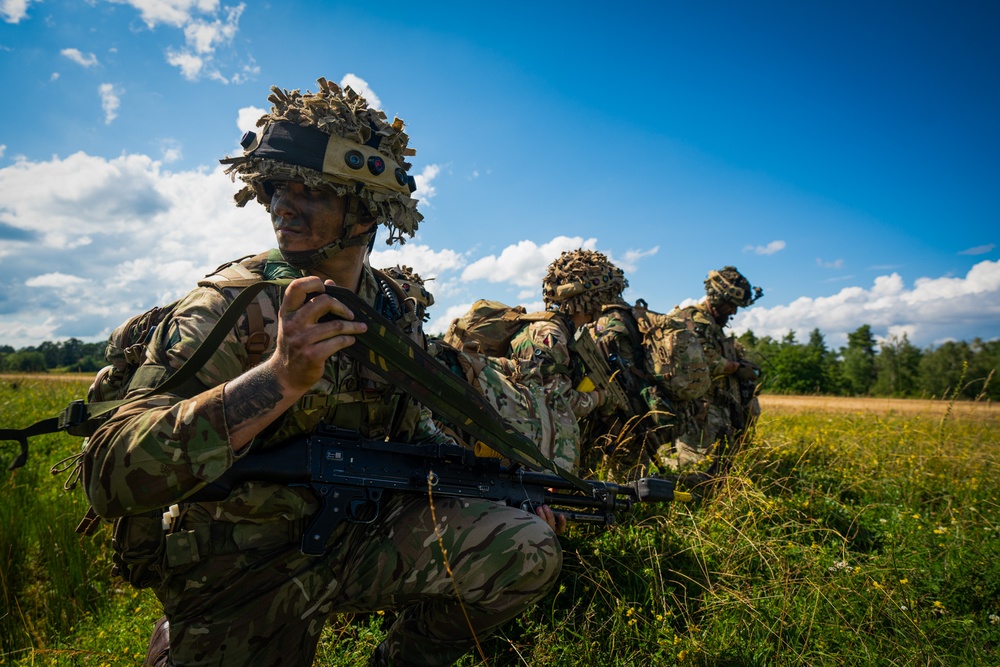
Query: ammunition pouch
[137, 548]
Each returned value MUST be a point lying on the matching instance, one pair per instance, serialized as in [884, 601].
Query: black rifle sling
[387, 351]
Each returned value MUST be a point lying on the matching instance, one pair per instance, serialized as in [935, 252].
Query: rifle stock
[349, 475]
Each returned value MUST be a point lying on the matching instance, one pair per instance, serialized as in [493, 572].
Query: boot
[379, 657]
[159, 644]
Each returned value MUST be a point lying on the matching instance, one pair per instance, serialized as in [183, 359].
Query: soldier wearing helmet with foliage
[723, 415]
[234, 585]
[576, 287]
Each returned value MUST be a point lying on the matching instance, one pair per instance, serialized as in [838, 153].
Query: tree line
[864, 367]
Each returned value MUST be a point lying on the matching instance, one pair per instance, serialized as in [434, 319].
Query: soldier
[235, 588]
[631, 437]
[575, 288]
[724, 413]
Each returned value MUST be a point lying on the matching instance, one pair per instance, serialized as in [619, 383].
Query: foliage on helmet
[729, 285]
[344, 114]
[413, 285]
[581, 281]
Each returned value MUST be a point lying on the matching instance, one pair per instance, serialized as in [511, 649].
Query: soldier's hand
[748, 371]
[304, 342]
[556, 520]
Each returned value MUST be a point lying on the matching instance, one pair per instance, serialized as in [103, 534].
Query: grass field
[852, 533]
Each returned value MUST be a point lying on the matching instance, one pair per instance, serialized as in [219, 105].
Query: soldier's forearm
[252, 401]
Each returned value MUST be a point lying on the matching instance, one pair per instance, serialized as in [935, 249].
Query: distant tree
[984, 369]
[25, 362]
[859, 360]
[897, 368]
[942, 370]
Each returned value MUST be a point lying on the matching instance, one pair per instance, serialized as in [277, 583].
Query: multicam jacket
[713, 338]
[156, 451]
[542, 350]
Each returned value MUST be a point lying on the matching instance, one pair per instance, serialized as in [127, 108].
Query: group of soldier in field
[599, 385]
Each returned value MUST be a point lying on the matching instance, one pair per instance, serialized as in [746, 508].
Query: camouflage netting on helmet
[581, 281]
[411, 283]
[336, 112]
[728, 284]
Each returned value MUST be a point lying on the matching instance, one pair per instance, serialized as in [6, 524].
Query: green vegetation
[839, 539]
[894, 367]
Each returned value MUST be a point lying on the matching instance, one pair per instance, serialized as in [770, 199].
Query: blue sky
[845, 156]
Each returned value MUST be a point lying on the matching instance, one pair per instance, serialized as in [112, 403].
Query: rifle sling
[382, 348]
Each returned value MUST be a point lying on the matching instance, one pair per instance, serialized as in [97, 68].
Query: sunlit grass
[838, 539]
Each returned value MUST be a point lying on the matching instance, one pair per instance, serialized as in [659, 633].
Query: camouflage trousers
[699, 440]
[267, 605]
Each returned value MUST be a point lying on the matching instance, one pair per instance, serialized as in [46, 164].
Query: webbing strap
[79, 412]
[398, 359]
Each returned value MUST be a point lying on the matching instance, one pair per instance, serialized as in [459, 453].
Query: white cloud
[206, 27]
[189, 64]
[13, 11]
[425, 183]
[835, 264]
[170, 150]
[424, 260]
[979, 249]
[769, 249]
[80, 58]
[3, 149]
[54, 280]
[439, 324]
[122, 234]
[175, 13]
[930, 310]
[54, 76]
[361, 87]
[523, 264]
[110, 101]
[246, 118]
[630, 262]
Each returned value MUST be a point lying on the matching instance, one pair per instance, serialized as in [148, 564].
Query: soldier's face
[305, 218]
[723, 312]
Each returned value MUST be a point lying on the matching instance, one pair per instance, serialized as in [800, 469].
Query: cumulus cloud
[110, 101]
[80, 58]
[99, 240]
[170, 150]
[427, 262]
[13, 11]
[361, 87]
[769, 249]
[425, 183]
[206, 28]
[979, 249]
[931, 310]
[246, 118]
[524, 263]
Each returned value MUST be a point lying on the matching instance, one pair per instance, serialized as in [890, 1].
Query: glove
[748, 371]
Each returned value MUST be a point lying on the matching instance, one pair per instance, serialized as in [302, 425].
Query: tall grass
[837, 539]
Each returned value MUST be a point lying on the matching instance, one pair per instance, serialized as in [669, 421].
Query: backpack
[489, 326]
[126, 348]
[675, 357]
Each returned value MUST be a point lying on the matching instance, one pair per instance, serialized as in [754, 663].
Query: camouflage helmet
[413, 285]
[728, 284]
[331, 139]
[581, 281]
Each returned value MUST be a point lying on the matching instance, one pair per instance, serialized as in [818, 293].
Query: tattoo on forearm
[252, 397]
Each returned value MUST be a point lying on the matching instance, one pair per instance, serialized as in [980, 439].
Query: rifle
[598, 372]
[350, 476]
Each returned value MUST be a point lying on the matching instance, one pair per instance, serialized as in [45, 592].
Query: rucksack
[674, 357]
[489, 326]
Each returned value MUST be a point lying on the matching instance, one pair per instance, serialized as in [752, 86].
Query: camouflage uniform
[541, 352]
[724, 413]
[628, 440]
[230, 575]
